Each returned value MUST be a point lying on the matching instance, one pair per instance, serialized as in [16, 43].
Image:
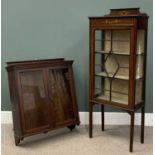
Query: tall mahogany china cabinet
[118, 64]
[42, 95]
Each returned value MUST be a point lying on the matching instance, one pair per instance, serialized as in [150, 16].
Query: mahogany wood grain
[42, 96]
[130, 19]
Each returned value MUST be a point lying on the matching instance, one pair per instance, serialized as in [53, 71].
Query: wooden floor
[113, 141]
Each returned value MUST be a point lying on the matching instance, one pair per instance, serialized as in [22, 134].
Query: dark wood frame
[132, 19]
[14, 69]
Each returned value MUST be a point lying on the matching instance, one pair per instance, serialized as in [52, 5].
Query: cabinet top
[38, 63]
[10, 63]
[123, 12]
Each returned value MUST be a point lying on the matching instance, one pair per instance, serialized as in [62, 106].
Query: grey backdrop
[59, 28]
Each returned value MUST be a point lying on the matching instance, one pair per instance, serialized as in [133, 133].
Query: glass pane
[102, 88]
[139, 65]
[117, 66]
[140, 41]
[34, 99]
[102, 41]
[60, 95]
[121, 41]
[112, 50]
[138, 95]
[120, 91]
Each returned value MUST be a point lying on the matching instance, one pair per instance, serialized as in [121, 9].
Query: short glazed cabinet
[118, 63]
[42, 95]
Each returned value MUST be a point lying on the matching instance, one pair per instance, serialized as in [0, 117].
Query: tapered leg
[90, 119]
[142, 123]
[132, 131]
[102, 116]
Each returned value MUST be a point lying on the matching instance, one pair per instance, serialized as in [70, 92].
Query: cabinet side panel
[14, 103]
[73, 94]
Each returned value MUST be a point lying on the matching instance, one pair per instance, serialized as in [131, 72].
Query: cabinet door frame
[37, 129]
[132, 60]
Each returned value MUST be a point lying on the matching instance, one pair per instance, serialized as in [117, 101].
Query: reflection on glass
[140, 41]
[139, 66]
[34, 100]
[60, 95]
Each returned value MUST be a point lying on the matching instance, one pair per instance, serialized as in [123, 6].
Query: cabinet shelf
[112, 40]
[118, 53]
[116, 97]
[117, 76]
[113, 91]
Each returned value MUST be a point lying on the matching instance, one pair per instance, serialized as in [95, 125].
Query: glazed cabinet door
[111, 78]
[61, 96]
[34, 104]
